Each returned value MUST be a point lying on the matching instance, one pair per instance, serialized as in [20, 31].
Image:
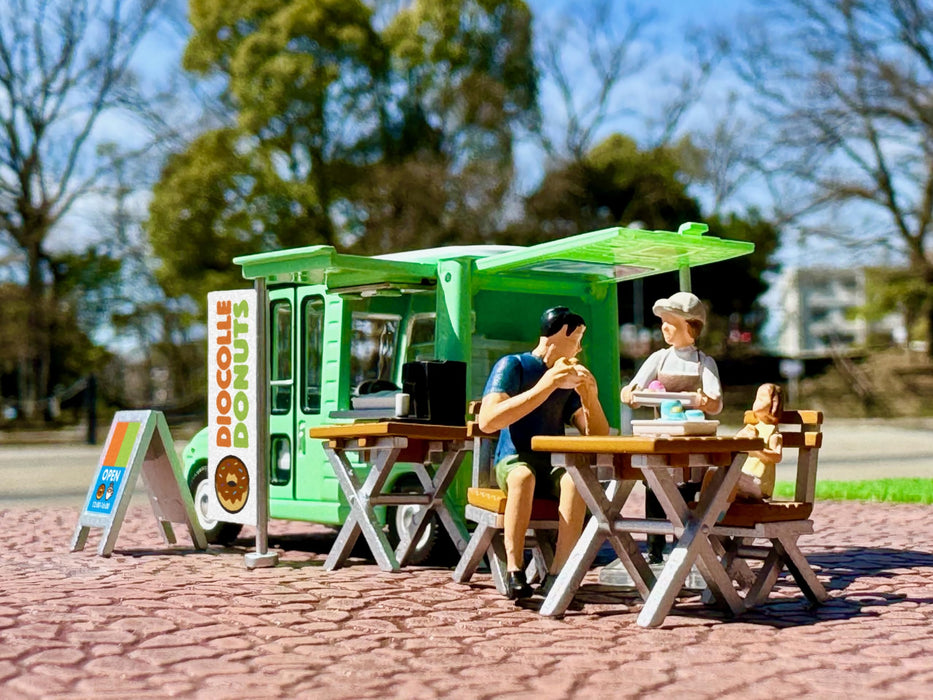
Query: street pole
[262, 558]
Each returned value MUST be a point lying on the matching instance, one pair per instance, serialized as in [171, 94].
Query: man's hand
[587, 387]
[500, 410]
[590, 418]
[563, 374]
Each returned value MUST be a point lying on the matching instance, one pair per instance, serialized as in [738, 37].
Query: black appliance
[437, 389]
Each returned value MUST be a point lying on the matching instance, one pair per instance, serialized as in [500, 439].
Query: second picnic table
[620, 462]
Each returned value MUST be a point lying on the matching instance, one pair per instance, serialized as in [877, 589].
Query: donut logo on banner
[233, 461]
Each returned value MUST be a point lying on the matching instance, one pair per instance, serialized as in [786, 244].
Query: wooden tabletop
[423, 431]
[644, 444]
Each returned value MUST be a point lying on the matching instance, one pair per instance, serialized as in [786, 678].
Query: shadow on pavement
[790, 608]
[844, 566]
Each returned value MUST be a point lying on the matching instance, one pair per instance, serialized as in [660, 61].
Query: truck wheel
[400, 519]
[215, 531]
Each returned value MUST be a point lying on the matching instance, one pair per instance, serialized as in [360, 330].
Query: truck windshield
[373, 341]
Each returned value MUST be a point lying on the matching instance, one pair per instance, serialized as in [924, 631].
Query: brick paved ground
[157, 622]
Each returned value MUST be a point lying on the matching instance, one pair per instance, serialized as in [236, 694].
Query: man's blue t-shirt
[514, 374]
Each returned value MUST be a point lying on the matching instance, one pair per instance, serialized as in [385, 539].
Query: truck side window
[281, 464]
[281, 374]
[312, 352]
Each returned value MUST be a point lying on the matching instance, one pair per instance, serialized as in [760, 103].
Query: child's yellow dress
[761, 473]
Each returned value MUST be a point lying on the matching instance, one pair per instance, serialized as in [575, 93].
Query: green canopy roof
[618, 254]
[322, 264]
[610, 255]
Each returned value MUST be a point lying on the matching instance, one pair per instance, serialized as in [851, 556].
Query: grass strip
[886, 490]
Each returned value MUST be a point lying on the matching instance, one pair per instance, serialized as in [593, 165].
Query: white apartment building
[817, 313]
[816, 310]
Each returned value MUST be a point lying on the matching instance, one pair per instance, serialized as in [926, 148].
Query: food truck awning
[322, 264]
[607, 256]
[618, 254]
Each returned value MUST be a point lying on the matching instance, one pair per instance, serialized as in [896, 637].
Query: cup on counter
[402, 404]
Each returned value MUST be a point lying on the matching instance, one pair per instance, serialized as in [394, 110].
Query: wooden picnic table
[384, 444]
[620, 462]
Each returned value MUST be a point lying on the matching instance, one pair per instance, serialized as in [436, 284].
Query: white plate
[654, 398]
[674, 427]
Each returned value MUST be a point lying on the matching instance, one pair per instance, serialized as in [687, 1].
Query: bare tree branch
[65, 67]
[845, 90]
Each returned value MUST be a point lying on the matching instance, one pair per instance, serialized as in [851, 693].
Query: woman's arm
[646, 374]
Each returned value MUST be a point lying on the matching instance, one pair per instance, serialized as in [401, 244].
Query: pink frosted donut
[656, 386]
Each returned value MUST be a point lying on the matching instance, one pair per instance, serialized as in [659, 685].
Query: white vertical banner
[233, 406]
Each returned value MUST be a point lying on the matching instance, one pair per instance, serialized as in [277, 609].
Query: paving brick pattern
[154, 621]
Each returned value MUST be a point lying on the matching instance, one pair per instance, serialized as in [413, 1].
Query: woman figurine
[680, 367]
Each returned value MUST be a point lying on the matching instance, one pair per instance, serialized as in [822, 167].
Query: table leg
[474, 552]
[362, 517]
[713, 501]
[571, 575]
[726, 548]
[717, 577]
[767, 577]
[437, 489]
[693, 543]
[800, 569]
[451, 518]
[605, 507]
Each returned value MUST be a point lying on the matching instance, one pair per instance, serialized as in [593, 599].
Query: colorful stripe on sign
[121, 444]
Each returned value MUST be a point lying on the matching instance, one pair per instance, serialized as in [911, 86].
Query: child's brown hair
[777, 399]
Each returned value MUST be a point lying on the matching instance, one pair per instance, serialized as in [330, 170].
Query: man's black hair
[556, 318]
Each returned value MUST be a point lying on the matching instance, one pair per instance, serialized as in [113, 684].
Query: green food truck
[341, 325]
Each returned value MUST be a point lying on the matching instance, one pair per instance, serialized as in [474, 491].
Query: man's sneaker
[517, 586]
[546, 585]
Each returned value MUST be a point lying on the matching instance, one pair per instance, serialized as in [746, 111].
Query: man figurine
[538, 393]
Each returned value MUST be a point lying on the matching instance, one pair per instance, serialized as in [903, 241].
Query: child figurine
[756, 482]
[681, 367]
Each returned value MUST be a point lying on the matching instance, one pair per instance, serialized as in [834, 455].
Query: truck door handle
[302, 427]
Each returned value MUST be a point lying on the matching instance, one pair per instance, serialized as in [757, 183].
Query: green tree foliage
[732, 288]
[615, 183]
[366, 131]
[71, 353]
[896, 291]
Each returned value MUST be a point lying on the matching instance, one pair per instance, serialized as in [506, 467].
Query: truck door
[317, 394]
[296, 376]
[282, 395]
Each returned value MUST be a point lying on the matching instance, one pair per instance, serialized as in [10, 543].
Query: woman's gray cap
[683, 304]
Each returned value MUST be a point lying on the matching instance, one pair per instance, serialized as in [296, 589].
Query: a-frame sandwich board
[139, 442]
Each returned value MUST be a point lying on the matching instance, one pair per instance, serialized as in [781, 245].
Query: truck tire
[399, 520]
[215, 531]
